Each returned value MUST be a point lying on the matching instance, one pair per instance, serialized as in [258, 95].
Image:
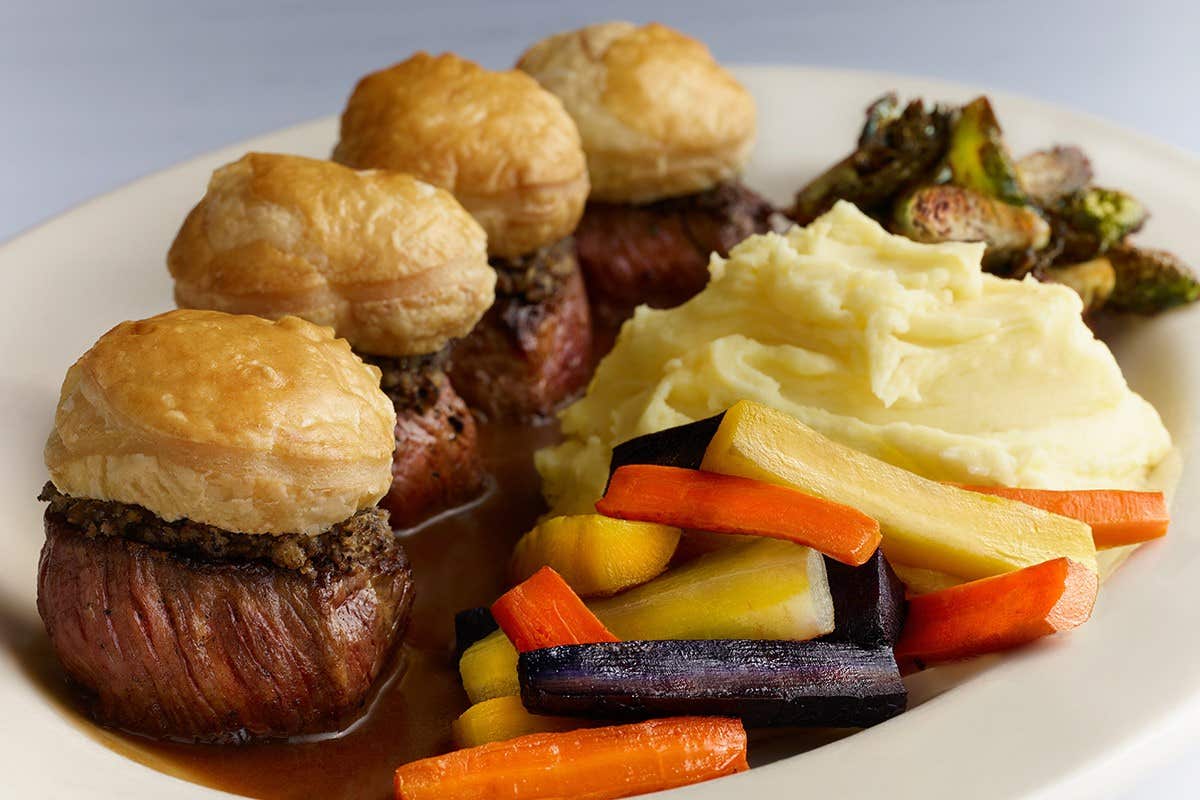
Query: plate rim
[1142, 140]
[1071, 782]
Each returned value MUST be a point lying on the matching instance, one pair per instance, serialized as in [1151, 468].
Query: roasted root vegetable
[997, 613]
[689, 498]
[1116, 517]
[681, 446]
[596, 555]
[977, 156]
[504, 718]
[470, 626]
[542, 611]
[1150, 281]
[922, 581]
[946, 213]
[592, 764]
[925, 524]
[868, 602]
[488, 668]
[762, 589]
[765, 683]
[896, 148]
[1049, 176]
[695, 543]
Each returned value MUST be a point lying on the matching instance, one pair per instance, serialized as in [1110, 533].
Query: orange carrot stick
[1117, 517]
[997, 613]
[592, 764]
[544, 612]
[688, 498]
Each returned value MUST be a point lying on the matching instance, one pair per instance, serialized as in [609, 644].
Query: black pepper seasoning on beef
[532, 351]
[412, 382]
[535, 277]
[338, 550]
[437, 463]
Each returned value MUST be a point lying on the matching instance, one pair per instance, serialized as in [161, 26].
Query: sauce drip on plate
[459, 561]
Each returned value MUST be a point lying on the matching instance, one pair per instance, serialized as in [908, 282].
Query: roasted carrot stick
[544, 612]
[996, 613]
[688, 498]
[593, 764]
[1117, 517]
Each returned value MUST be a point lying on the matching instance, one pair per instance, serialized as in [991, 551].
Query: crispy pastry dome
[396, 266]
[499, 142]
[658, 116]
[234, 421]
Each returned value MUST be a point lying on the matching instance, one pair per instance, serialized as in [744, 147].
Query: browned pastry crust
[394, 265]
[499, 142]
[657, 115]
[232, 421]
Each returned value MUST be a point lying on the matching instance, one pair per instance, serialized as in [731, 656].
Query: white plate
[1071, 716]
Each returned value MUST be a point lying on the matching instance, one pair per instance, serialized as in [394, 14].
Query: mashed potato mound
[906, 351]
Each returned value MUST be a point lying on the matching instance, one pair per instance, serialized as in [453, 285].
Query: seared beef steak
[436, 465]
[658, 253]
[532, 351]
[195, 648]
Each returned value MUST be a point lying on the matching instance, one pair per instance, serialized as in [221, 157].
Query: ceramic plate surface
[1076, 716]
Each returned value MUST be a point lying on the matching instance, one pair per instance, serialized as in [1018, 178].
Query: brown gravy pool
[458, 562]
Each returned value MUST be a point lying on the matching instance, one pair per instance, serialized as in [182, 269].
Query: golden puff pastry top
[396, 266]
[245, 423]
[499, 142]
[658, 116]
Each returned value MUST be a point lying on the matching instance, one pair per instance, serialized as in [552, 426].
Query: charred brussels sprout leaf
[1149, 281]
[1050, 176]
[896, 148]
[953, 214]
[978, 158]
[879, 115]
[1105, 216]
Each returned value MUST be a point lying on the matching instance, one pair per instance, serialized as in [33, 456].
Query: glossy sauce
[459, 561]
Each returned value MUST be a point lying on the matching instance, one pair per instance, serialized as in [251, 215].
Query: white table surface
[94, 94]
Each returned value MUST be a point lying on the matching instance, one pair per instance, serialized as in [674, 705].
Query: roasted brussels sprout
[978, 158]
[1106, 216]
[879, 115]
[941, 173]
[954, 214]
[896, 148]
[1149, 281]
[1049, 176]
[1093, 280]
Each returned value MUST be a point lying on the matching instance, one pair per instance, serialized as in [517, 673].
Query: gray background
[94, 94]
